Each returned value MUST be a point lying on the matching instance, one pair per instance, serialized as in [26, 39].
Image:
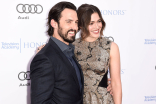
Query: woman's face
[94, 27]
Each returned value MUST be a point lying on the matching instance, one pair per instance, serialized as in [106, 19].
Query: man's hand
[109, 88]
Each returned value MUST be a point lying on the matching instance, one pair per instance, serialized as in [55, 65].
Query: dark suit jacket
[53, 78]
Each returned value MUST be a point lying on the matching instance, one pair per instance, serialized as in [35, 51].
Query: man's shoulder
[45, 53]
[47, 50]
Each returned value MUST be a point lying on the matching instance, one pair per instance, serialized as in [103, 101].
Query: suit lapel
[65, 61]
[81, 73]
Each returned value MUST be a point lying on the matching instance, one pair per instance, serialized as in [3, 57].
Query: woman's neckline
[92, 41]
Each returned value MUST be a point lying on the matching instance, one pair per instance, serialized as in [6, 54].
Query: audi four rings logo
[24, 76]
[26, 8]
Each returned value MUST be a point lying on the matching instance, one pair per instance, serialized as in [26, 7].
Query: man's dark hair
[55, 13]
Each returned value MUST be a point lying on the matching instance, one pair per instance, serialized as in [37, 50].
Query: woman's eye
[91, 23]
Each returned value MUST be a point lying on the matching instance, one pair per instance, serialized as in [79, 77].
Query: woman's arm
[115, 73]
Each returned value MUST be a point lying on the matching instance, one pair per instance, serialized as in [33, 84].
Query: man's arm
[109, 87]
[42, 80]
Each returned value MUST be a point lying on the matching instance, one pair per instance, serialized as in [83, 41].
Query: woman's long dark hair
[84, 13]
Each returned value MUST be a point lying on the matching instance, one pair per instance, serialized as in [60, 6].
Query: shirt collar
[67, 49]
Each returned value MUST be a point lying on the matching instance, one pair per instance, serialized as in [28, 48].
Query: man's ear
[54, 24]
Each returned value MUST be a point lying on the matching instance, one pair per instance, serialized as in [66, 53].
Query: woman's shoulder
[106, 41]
[109, 42]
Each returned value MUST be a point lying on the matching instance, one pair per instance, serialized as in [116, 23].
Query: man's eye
[68, 21]
[99, 21]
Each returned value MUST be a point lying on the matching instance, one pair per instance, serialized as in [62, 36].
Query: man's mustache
[72, 31]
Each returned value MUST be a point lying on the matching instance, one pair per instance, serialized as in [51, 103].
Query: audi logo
[26, 8]
[24, 76]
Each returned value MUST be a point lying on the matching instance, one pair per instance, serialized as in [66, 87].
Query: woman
[96, 55]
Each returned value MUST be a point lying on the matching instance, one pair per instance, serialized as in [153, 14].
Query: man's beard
[65, 36]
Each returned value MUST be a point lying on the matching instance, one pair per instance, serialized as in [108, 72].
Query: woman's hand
[39, 48]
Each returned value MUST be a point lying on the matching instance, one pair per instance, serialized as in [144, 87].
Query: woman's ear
[54, 24]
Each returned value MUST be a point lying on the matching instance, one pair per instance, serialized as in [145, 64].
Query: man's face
[68, 25]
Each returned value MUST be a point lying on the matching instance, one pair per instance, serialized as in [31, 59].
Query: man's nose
[75, 26]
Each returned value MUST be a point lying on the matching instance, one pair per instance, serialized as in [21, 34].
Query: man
[56, 76]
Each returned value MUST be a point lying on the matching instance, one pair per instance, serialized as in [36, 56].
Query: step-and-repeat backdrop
[131, 23]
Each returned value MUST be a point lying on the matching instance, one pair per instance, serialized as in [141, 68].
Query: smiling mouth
[96, 31]
[71, 33]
